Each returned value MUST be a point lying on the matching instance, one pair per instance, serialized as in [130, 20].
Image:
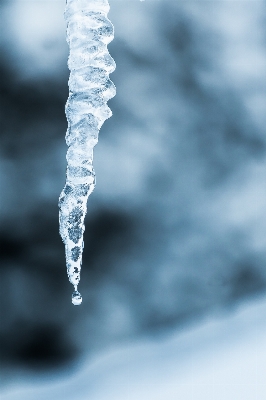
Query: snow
[221, 358]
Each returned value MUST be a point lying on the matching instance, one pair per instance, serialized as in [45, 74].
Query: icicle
[88, 33]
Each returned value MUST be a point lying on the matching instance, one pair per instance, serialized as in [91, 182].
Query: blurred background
[176, 227]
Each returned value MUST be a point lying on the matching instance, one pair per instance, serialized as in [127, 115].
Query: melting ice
[88, 33]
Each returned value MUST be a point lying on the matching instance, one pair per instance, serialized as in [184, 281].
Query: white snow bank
[222, 359]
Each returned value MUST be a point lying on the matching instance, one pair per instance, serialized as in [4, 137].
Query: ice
[76, 298]
[88, 33]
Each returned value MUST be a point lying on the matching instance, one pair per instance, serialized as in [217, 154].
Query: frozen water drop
[76, 298]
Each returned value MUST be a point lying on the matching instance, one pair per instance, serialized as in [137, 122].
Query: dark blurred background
[176, 227]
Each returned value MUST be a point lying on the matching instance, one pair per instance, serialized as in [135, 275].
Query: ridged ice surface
[88, 33]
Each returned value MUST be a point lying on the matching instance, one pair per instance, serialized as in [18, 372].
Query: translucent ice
[76, 298]
[88, 33]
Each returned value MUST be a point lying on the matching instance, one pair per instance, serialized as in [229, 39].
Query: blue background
[176, 227]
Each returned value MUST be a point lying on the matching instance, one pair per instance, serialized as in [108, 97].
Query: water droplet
[76, 298]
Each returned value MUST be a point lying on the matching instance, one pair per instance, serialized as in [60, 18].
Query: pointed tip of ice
[76, 298]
